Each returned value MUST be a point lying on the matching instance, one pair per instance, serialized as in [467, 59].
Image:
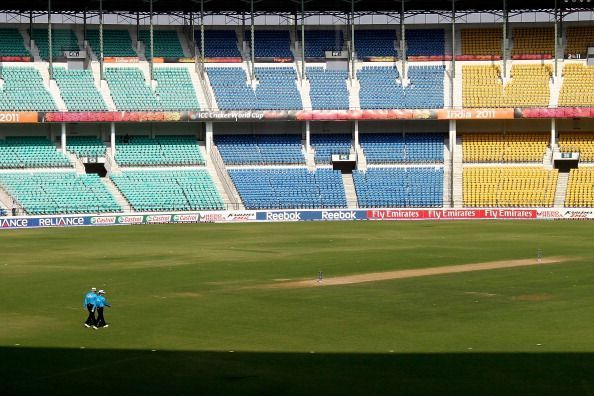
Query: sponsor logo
[158, 219]
[129, 220]
[103, 220]
[578, 214]
[283, 216]
[340, 215]
[550, 214]
[241, 216]
[61, 221]
[212, 217]
[186, 218]
[510, 214]
[14, 223]
[394, 214]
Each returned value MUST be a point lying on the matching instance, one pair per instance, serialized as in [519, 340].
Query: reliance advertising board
[298, 215]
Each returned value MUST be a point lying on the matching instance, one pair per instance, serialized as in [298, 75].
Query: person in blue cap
[100, 303]
[88, 303]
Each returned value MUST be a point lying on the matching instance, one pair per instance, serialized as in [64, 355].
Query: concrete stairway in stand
[457, 192]
[561, 190]
[216, 167]
[120, 199]
[349, 190]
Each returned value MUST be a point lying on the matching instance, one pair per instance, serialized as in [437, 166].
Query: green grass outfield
[195, 295]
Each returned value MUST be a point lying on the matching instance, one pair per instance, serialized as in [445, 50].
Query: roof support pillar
[85, 26]
[49, 39]
[353, 49]
[557, 36]
[453, 72]
[151, 64]
[101, 71]
[402, 41]
[253, 40]
[302, 40]
[504, 44]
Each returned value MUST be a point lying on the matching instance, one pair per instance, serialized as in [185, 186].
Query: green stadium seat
[78, 90]
[24, 90]
[162, 150]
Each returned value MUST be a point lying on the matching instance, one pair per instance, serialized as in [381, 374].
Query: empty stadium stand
[17, 152]
[277, 89]
[160, 190]
[375, 43]
[12, 43]
[390, 148]
[529, 86]
[578, 85]
[218, 44]
[166, 43]
[231, 88]
[425, 42]
[271, 43]
[86, 146]
[129, 90]
[162, 150]
[509, 186]
[328, 88]
[78, 90]
[504, 147]
[260, 149]
[578, 38]
[289, 188]
[402, 187]
[580, 188]
[62, 40]
[481, 42]
[317, 42]
[115, 43]
[580, 142]
[58, 192]
[533, 41]
[326, 145]
[174, 90]
[381, 88]
[24, 90]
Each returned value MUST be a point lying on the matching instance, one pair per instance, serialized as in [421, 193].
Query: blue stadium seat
[260, 149]
[271, 43]
[328, 88]
[218, 43]
[370, 43]
[425, 42]
[317, 42]
[381, 88]
[327, 145]
[390, 148]
[289, 188]
[410, 187]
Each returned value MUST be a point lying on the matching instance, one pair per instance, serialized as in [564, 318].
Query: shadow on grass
[50, 371]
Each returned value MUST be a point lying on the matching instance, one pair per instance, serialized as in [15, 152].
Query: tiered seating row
[386, 148]
[328, 88]
[59, 192]
[12, 43]
[62, 40]
[115, 43]
[260, 149]
[578, 86]
[509, 187]
[583, 143]
[529, 86]
[381, 88]
[504, 147]
[481, 42]
[399, 187]
[162, 150]
[218, 43]
[24, 90]
[289, 188]
[161, 190]
[327, 145]
[580, 188]
[370, 43]
[86, 146]
[166, 43]
[30, 152]
[78, 90]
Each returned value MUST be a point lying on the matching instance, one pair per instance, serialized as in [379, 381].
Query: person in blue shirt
[100, 303]
[88, 303]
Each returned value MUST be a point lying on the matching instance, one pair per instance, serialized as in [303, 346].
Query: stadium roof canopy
[290, 6]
